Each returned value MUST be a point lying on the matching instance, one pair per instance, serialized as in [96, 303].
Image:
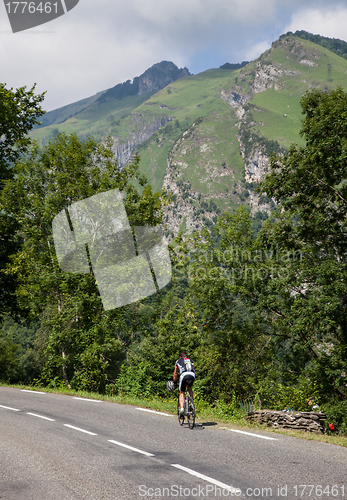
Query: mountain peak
[153, 79]
[159, 76]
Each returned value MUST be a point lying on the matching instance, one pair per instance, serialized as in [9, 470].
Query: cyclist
[185, 367]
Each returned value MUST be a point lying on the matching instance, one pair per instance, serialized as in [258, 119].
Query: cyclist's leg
[181, 399]
[182, 387]
[190, 383]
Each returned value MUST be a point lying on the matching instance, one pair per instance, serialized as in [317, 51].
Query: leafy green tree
[19, 111]
[234, 351]
[168, 325]
[310, 185]
[23, 337]
[8, 360]
[85, 343]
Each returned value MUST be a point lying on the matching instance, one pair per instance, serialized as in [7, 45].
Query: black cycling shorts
[186, 380]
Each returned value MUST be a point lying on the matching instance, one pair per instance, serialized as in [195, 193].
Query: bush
[336, 413]
[230, 410]
[135, 382]
[280, 397]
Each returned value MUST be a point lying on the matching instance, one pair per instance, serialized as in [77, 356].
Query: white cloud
[256, 50]
[101, 43]
[329, 21]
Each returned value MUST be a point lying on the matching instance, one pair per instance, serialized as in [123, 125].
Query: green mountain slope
[207, 137]
[97, 115]
[60, 115]
[286, 71]
[181, 103]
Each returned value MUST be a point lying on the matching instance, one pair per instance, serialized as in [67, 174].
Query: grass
[212, 154]
[98, 119]
[330, 71]
[189, 98]
[205, 413]
[278, 116]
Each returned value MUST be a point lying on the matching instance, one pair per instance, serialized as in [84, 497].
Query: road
[61, 447]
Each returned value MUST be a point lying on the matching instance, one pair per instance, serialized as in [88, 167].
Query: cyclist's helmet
[170, 386]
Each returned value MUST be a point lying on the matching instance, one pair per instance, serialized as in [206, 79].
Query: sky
[100, 43]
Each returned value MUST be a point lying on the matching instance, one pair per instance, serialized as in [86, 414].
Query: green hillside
[60, 115]
[99, 114]
[183, 102]
[97, 119]
[278, 113]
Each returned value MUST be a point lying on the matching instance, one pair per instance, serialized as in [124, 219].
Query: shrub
[230, 410]
[135, 382]
[280, 396]
[336, 413]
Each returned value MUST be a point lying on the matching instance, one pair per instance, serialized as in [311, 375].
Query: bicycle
[189, 411]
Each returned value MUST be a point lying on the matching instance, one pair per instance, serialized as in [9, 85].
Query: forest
[262, 313]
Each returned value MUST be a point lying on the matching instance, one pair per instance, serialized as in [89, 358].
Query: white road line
[33, 392]
[209, 479]
[86, 399]
[153, 411]
[81, 430]
[250, 434]
[41, 416]
[131, 448]
[8, 408]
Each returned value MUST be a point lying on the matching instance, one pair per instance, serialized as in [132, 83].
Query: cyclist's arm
[175, 374]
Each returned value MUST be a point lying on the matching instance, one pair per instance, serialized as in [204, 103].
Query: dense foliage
[234, 66]
[78, 340]
[333, 44]
[259, 303]
[19, 111]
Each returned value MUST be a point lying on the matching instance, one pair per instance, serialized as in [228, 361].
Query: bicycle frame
[189, 410]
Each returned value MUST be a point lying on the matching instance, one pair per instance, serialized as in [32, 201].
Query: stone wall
[304, 420]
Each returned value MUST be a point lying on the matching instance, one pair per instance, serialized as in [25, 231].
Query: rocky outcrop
[181, 209]
[124, 150]
[267, 76]
[256, 165]
[159, 76]
[234, 99]
[294, 46]
[154, 78]
[303, 420]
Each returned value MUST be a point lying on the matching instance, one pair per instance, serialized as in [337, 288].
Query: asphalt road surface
[55, 447]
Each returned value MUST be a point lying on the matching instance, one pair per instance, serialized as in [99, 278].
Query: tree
[19, 110]
[85, 343]
[310, 185]
[235, 350]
